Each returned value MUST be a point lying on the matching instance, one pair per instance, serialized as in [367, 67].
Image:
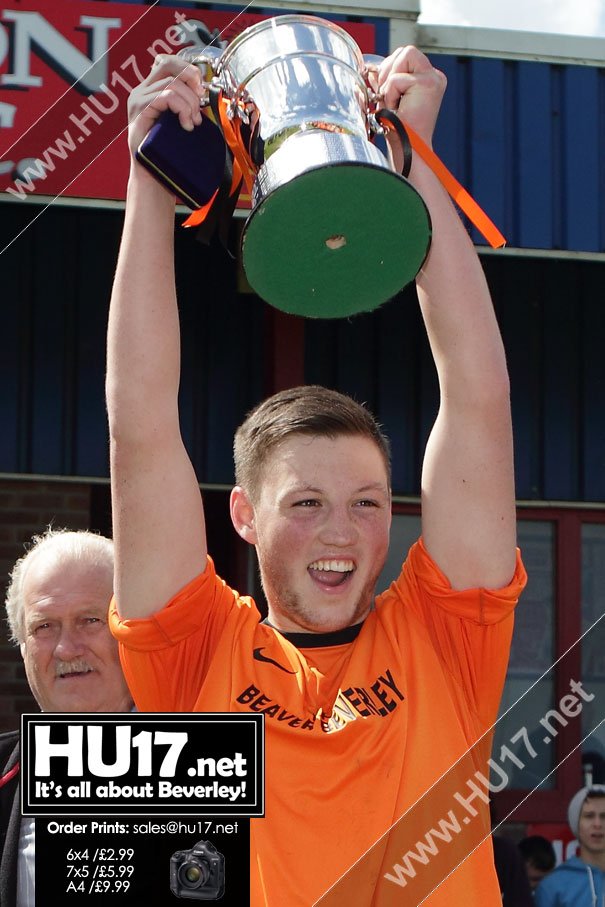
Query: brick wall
[27, 507]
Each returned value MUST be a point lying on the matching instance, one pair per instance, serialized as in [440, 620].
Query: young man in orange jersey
[367, 701]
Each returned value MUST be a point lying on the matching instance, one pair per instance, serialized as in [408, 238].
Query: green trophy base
[336, 240]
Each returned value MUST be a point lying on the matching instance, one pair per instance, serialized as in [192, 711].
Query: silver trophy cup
[334, 230]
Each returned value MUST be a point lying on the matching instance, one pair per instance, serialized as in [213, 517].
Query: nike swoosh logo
[258, 656]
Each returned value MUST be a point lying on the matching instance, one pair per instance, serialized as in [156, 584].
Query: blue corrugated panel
[493, 165]
[517, 293]
[222, 355]
[57, 275]
[14, 337]
[91, 257]
[57, 281]
[561, 378]
[535, 206]
[453, 127]
[527, 140]
[593, 392]
[400, 352]
[53, 373]
[582, 155]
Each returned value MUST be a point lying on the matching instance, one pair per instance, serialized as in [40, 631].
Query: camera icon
[198, 873]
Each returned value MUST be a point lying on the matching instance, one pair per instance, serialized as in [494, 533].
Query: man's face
[591, 829]
[71, 659]
[321, 526]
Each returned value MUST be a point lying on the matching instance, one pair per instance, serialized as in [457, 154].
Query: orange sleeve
[483, 606]
[165, 657]
[470, 630]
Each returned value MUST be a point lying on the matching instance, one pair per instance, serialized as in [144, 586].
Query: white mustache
[62, 668]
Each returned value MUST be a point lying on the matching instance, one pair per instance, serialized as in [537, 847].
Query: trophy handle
[370, 74]
[382, 121]
[206, 59]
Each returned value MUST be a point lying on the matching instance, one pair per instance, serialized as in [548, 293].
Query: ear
[242, 514]
[22, 649]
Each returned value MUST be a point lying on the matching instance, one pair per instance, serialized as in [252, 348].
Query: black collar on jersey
[319, 640]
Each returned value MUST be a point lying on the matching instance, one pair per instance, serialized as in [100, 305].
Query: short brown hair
[306, 410]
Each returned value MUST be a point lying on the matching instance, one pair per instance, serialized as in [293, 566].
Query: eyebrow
[35, 618]
[374, 486]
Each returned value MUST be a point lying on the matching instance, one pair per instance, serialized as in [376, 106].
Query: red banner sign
[66, 69]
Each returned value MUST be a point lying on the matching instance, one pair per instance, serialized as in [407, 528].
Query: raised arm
[158, 520]
[468, 503]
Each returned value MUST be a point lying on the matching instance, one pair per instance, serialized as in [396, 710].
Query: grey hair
[66, 546]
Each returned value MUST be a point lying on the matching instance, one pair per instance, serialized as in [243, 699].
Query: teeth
[335, 566]
[73, 667]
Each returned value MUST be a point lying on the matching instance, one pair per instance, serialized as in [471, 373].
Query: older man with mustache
[56, 606]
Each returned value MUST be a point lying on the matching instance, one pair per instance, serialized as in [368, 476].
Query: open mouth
[68, 674]
[331, 573]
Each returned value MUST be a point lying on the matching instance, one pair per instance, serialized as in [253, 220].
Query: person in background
[56, 605]
[539, 856]
[512, 876]
[580, 881]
